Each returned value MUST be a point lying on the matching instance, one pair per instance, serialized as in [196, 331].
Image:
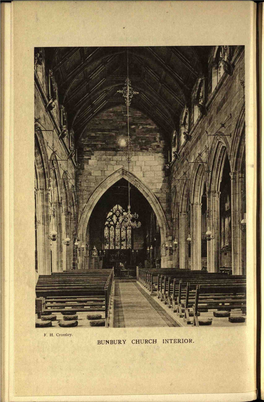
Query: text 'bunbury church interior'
[140, 186]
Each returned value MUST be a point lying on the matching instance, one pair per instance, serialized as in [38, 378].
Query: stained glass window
[116, 235]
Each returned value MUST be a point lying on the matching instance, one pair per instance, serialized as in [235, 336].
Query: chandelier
[129, 219]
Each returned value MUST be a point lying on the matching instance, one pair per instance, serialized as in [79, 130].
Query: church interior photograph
[140, 186]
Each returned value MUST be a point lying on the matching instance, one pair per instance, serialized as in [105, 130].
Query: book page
[261, 126]
[135, 363]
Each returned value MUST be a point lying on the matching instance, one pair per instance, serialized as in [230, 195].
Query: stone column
[59, 238]
[196, 235]
[175, 257]
[64, 247]
[47, 229]
[164, 257]
[40, 202]
[213, 222]
[54, 244]
[236, 216]
[182, 240]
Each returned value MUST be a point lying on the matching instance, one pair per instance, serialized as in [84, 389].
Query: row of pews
[192, 294]
[70, 294]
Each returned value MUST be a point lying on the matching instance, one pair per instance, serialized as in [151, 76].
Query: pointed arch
[185, 196]
[54, 166]
[238, 142]
[109, 182]
[65, 192]
[198, 184]
[216, 163]
[42, 217]
[41, 160]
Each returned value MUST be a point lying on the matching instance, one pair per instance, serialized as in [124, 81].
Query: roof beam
[164, 101]
[162, 118]
[173, 73]
[65, 58]
[158, 111]
[185, 61]
[80, 67]
[89, 93]
[90, 77]
[172, 93]
[90, 118]
[159, 80]
[104, 96]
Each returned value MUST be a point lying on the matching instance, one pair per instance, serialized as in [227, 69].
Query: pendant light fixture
[129, 219]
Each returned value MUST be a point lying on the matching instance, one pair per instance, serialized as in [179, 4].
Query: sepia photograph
[140, 186]
[130, 201]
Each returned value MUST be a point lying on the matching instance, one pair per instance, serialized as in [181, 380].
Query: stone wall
[54, 199]
[217, 128]
[102, 154]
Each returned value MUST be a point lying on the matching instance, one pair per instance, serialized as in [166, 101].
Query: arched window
[117, 235]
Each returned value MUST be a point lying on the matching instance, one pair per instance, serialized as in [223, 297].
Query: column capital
[233, 175]
[183, 213]
[39, 190]
[241, 176]
[214, 193]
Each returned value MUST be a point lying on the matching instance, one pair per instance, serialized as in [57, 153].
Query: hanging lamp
[129, 219]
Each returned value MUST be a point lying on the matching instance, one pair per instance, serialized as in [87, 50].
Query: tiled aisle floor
[135, 308]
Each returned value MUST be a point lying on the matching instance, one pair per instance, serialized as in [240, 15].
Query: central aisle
[133, 307]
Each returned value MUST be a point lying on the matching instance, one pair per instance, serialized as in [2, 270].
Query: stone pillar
[69, 253]
[175, 257]
[236, 217]
[40, 203]
[196, 235]
[59, 238]
[175, 261]
[54, 252]
[164, 258]
[54, 244]
[182, 240]
[64, 247]
[47, 253]
[213, 222]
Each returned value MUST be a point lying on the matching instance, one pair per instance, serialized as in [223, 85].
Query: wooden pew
[170, 293]
[76, 291]
[149, 277]
[228, 297]
[165, 280]
[186, 294]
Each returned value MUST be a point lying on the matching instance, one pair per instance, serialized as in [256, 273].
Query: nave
[156, 298]
[140, 165]
[133, 307]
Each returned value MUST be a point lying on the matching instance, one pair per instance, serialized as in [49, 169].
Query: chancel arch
[109, 182]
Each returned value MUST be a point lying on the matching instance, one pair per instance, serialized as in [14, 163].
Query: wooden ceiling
[89, 78]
